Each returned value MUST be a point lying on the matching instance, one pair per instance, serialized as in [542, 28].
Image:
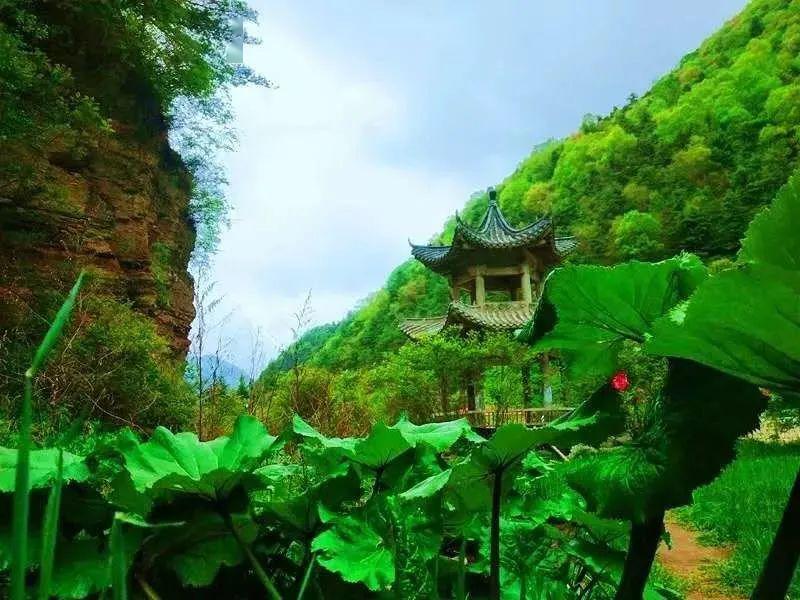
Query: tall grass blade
[19, 528]
[52, 335]
[19, 544]
[119, 565]
[50, 530]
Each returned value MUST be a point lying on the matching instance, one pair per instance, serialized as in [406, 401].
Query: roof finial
[492, 195]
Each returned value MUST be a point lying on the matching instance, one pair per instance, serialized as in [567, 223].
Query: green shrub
[111, 362]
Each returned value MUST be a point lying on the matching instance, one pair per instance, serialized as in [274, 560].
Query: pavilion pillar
[471, 394]
[525, 284]
[480, 287]
[453, 289]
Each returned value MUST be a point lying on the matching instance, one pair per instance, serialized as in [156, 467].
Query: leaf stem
[494, 541]
[377, 483]
[781, 562]
[307, 577]
[461, 580]
[248, 552]
[50, 530]
[644, 541]
[147, 589]
[119, 562]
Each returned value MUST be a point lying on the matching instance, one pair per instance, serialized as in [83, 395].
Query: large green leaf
[181, 463]
[746, 320]
[427, 487]
[81, 568]
[772, 238]
[357, 551]
[598, 308]
[382, 542]
[469, 489]
[416, 531]
[196, 549]
[304, 430]
[441, 436]
[509, 444]
[594, 420]
[299, 506]
[380, 447]
[470, 483]
[617, 482]
[43, 468]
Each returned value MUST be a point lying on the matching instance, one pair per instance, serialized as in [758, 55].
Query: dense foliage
[374, 514]
[684, 167]
[425, 511]
[115, 363]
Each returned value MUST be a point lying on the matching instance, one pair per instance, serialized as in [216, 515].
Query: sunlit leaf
[441, 436]
[355, 550]
[181, 463]
[598, 308]
[43, 468]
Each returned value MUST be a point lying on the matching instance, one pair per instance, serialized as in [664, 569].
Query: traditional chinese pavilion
[495, 272]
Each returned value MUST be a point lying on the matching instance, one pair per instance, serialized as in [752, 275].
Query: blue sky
[388, 115]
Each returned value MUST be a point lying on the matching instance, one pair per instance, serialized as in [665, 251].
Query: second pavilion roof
[494, 316]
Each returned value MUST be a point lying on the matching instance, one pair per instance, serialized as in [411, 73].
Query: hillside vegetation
[684, 167]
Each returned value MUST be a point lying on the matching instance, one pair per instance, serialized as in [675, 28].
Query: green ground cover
[743, 506]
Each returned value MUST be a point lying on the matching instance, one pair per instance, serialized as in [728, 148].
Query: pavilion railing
[496, 417]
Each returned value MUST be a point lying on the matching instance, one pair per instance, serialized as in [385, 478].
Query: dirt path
[692, 563]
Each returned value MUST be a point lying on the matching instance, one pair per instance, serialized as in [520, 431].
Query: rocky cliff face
[120, 210]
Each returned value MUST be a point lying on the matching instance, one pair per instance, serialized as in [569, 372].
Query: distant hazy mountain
[226, 371]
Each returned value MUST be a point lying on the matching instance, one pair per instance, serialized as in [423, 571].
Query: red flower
[620, 381]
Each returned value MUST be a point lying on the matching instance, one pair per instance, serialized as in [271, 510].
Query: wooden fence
[491, 419]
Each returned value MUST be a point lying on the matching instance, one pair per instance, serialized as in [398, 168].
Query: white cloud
[313, 208]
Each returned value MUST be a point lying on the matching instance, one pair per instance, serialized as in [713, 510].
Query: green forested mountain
[683, 167]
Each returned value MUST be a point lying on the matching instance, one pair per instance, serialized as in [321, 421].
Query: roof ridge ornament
[492, 195]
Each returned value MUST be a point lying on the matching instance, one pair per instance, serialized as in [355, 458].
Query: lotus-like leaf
[181, 463]
[587, 312]
[358, 552]
[43, 468]
[441, 436]
[746, 320]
